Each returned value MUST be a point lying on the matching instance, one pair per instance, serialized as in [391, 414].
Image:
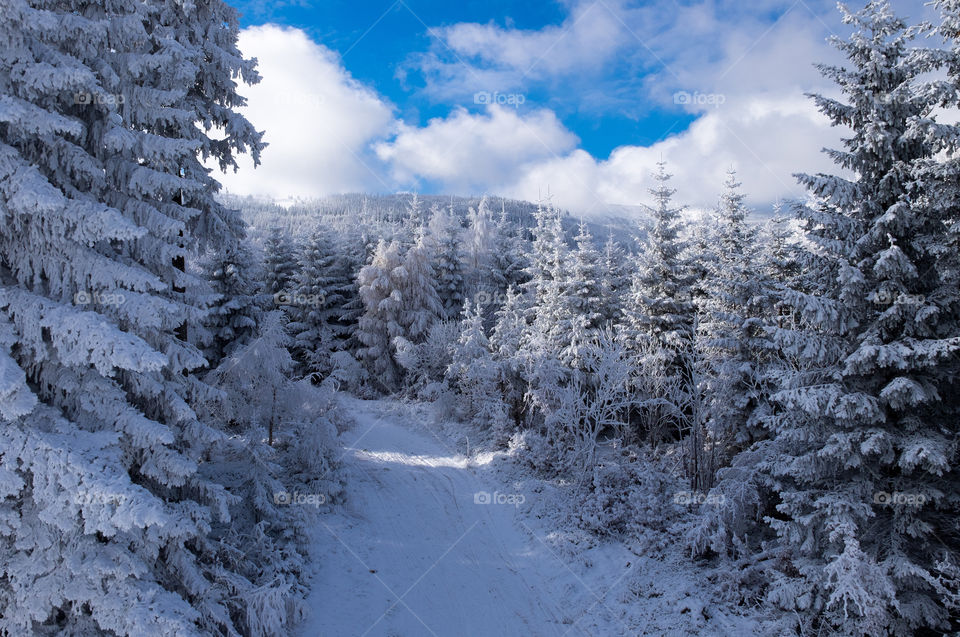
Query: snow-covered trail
[413, 553]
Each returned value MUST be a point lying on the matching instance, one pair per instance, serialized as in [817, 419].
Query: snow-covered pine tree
[479, 239]
[506, 343]
[659, 311]
[700, 253]
[265, 412]
[380, 323]
[416, 215]
[314, 293]
[510, 262]
[420, 306]
[614, 280]
[448, 259]
[233, 316]
[864, 454]
[780, 253]
[547, 248]
[346, 307]
[107, 517]
[742, 368]
[659, 306]
[582, 303]
[733, 334]
[279, 267]
[474, 373]
[549, 321]
[258, 379]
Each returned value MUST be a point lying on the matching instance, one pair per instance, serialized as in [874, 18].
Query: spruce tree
[314, 295]
[474, 373]
[419, 305]
[582, 303]
[279, 267]
[448, 259]
[232, 320]
[109, 521]
[659, 316]
[864, 452]
[380, 322]
[614, 280]
[733, 327]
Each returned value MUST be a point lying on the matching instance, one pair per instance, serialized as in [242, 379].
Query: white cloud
[588, 37]
[765, 140]
[330, 134]
[472, 153]
[319, 122]
[749, 76]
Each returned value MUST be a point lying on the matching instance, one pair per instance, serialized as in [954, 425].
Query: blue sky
[382, 42]
[579, 98]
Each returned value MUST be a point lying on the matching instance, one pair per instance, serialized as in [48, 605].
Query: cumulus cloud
[740, 72]
[319, 122]
[474, 152]
[587, 38]
[766, 141]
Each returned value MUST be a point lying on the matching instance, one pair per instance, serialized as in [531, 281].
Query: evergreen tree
[416, 215]
[781, 255]
[509, 258]
[479, 243]
[279, 267]
[448, 259]
[733, 330]
[550, 313]
[110, 526]
[864, 453]
[474, 372]
[420, 306]
[659, 313]
[614, 280]
[315, 292]
[506, 344]
[232, 320]
[380, 322]
[659, 306]
[582, 305]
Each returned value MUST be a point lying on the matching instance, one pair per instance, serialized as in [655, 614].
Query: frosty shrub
[425, 364]
[624, 493]
[348, 374]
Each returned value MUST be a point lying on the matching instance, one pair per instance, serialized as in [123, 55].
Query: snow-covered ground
[433, 542]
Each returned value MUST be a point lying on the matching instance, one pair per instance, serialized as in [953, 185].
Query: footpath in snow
[431, 543]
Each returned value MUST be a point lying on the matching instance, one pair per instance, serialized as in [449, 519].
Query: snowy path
[413, 554]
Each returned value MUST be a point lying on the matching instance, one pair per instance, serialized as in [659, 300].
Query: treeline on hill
[802, 372]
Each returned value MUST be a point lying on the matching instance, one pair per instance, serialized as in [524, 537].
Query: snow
[412, 553]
